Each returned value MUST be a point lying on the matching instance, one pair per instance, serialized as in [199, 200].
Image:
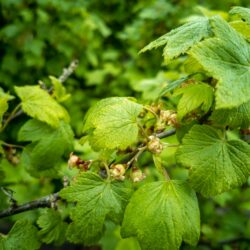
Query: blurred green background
[40, 38]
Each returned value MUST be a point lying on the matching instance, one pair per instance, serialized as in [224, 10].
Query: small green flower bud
[137, 175]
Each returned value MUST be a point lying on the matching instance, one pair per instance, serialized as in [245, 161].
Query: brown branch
[49, 200]
[46, 201]
[166, 133]
[68, 71]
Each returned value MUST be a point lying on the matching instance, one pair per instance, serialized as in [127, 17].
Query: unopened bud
[76, 161]
[117, 171]
[137, 175]
[165, 115]
[73, 159]
[172, 120]
[154, 145]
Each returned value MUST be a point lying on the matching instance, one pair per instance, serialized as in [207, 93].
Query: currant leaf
[112, 123]
[244, 13]
[162, 214]
[194, 96]
[216, 164]
[4, 98]
[38, 104]
[97, 199]
[48, 144]
[227, 52]
[53, 228]
[22, 236]
[180, 40]
[234, 118]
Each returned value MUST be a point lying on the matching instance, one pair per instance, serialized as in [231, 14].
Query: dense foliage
[167, 170]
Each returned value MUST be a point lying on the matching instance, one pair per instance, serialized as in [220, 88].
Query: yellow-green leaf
[38, 104]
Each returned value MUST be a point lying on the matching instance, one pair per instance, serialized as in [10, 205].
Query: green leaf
[234, 118]
[162, 214]
[173, 85]
[216, 164]
[242, 27]
[59, 91]
[53, 228]
[23, 236]
[244, 13]
[4, 98]
[113, 123]
[48, 144]
[97, 199]
[179, 40]
[38, 104]
[227, 52]
[194, 96]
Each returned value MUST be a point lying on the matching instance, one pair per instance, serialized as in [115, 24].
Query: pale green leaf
[38, 104]
[173, 85]
[112, 123]
[180, 40]
[227, 52]
[244, 13]
[194, 96]
[216, 164]
[59, 91]
[22, 236]
[242, 27]
[97, 199]
[4, 98]
[234, 118]
[48, 144]
[162, 215]
[53, 228]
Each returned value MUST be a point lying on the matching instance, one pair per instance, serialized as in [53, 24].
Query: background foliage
[39, 38]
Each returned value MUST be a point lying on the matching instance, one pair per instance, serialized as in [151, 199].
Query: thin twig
[62, 78]
[46, 201]
[10, 145]
[68, 71]
[136, 155]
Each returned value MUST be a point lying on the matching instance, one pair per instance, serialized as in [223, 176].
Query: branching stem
[46, 201]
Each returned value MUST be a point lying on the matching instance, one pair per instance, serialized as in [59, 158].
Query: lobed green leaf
[234, 118]
[48, 144]
[97, 199]
[194, 96]
[38, 104]
[162, 214]
[244, 13]
[112, 123]
[180, 40]
[227, 58]
[53, 228]
[22, 236]
[216, 164]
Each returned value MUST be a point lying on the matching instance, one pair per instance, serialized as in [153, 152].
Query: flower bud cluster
[169, 117]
